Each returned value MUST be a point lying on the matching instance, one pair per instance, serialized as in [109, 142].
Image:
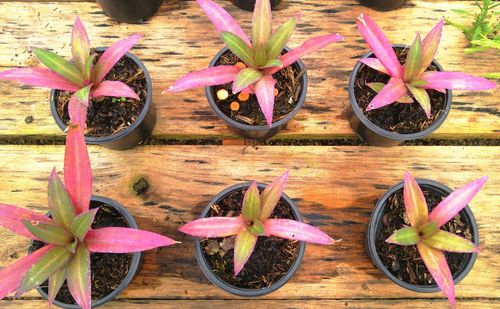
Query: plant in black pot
[423, 236]
[256, 87]
[79, 230]
[120, 114]
[249, 5]
[130, 11]
[399, 93]
[251, 238]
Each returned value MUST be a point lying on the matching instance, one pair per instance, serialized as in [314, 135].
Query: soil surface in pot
[397, 117]
[107, 115]
[107, 269]
[270, 260]
[288, 88]
[405, 262]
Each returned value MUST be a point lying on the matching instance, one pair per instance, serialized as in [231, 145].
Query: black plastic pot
[130, 11]
[259, 132]
[205, 267]
[375, 225]
[137, 259]
[133, 135]
[376, 136]
[383, 5]
[249, 5]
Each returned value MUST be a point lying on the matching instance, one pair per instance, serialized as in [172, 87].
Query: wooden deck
[334, 187]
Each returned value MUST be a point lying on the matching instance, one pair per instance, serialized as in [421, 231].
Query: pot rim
[118, 135]
[377, 216]
[388, 134]
[241, 291]
[300, 101]
[133, 269]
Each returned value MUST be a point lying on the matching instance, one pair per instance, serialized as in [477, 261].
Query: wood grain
[179, 39]
[334, 187]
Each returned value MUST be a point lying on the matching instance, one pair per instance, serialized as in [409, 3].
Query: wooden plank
[258, 303]
[179, 40]
[331, 185]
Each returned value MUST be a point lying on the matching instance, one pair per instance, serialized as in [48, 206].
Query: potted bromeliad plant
[120, 113]
[423, 236]
[88, 248]
[255, 86]
[245, 225]
[130, 11]
[399, 93]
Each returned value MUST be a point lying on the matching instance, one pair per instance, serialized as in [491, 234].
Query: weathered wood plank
[335, 188]
[179, 40]
[258, 303]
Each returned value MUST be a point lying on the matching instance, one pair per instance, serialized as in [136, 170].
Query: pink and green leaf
[405, 237]
[422, 98]
[214, 227]
[55, 283]
[392, 92]
[295, 230]
[260, 57]
[261, 29]
[455, 202]
[53, 260]
[89, 68]
[243, 248]
[375, 64]
[277, 41]
[222, 20]
[436, 263]
[212, 76]
[238, 47]
[272, 194]
[13, 274]
[78, 277]
[309, 46]
[456, 81]
[272, 63]
[245, 78]
[256, 228]
[251, 203]
[12, 217]
[49, 233]
[415, 204]
[59, 65]
[450, 242]
[60, 206]
[124, 240]
[430, 45]
[80, 45]
[82, 223]
[379, 45]
[39, 77]
[264, 90]
[112, 55]
[116, 89]
[413, 61]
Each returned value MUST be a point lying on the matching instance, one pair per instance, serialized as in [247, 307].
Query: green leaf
[257, 228]
[261, 23]
[89, 66]
[446, 241]
[487, 43]
[376, 86]
[72, 246]
[428, 229]
[272, 63]
[82, 223]
[422, 98]
[60, 206]
[49, 233]
[495, 75]
[55, 283]
[251, 203]
[50, 262]
[245, 78]
[243, 248]
[406, 236]
[59, 65]
[462, 12]
[238, 47]
[278, 40]
[260, 57]
[78, 276]
[413, 59]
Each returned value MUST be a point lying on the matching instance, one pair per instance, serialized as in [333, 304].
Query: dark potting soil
[107, 269]
[397, 117]
[405, 262]
[108, 115]
[270, 260]
[288, 86]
